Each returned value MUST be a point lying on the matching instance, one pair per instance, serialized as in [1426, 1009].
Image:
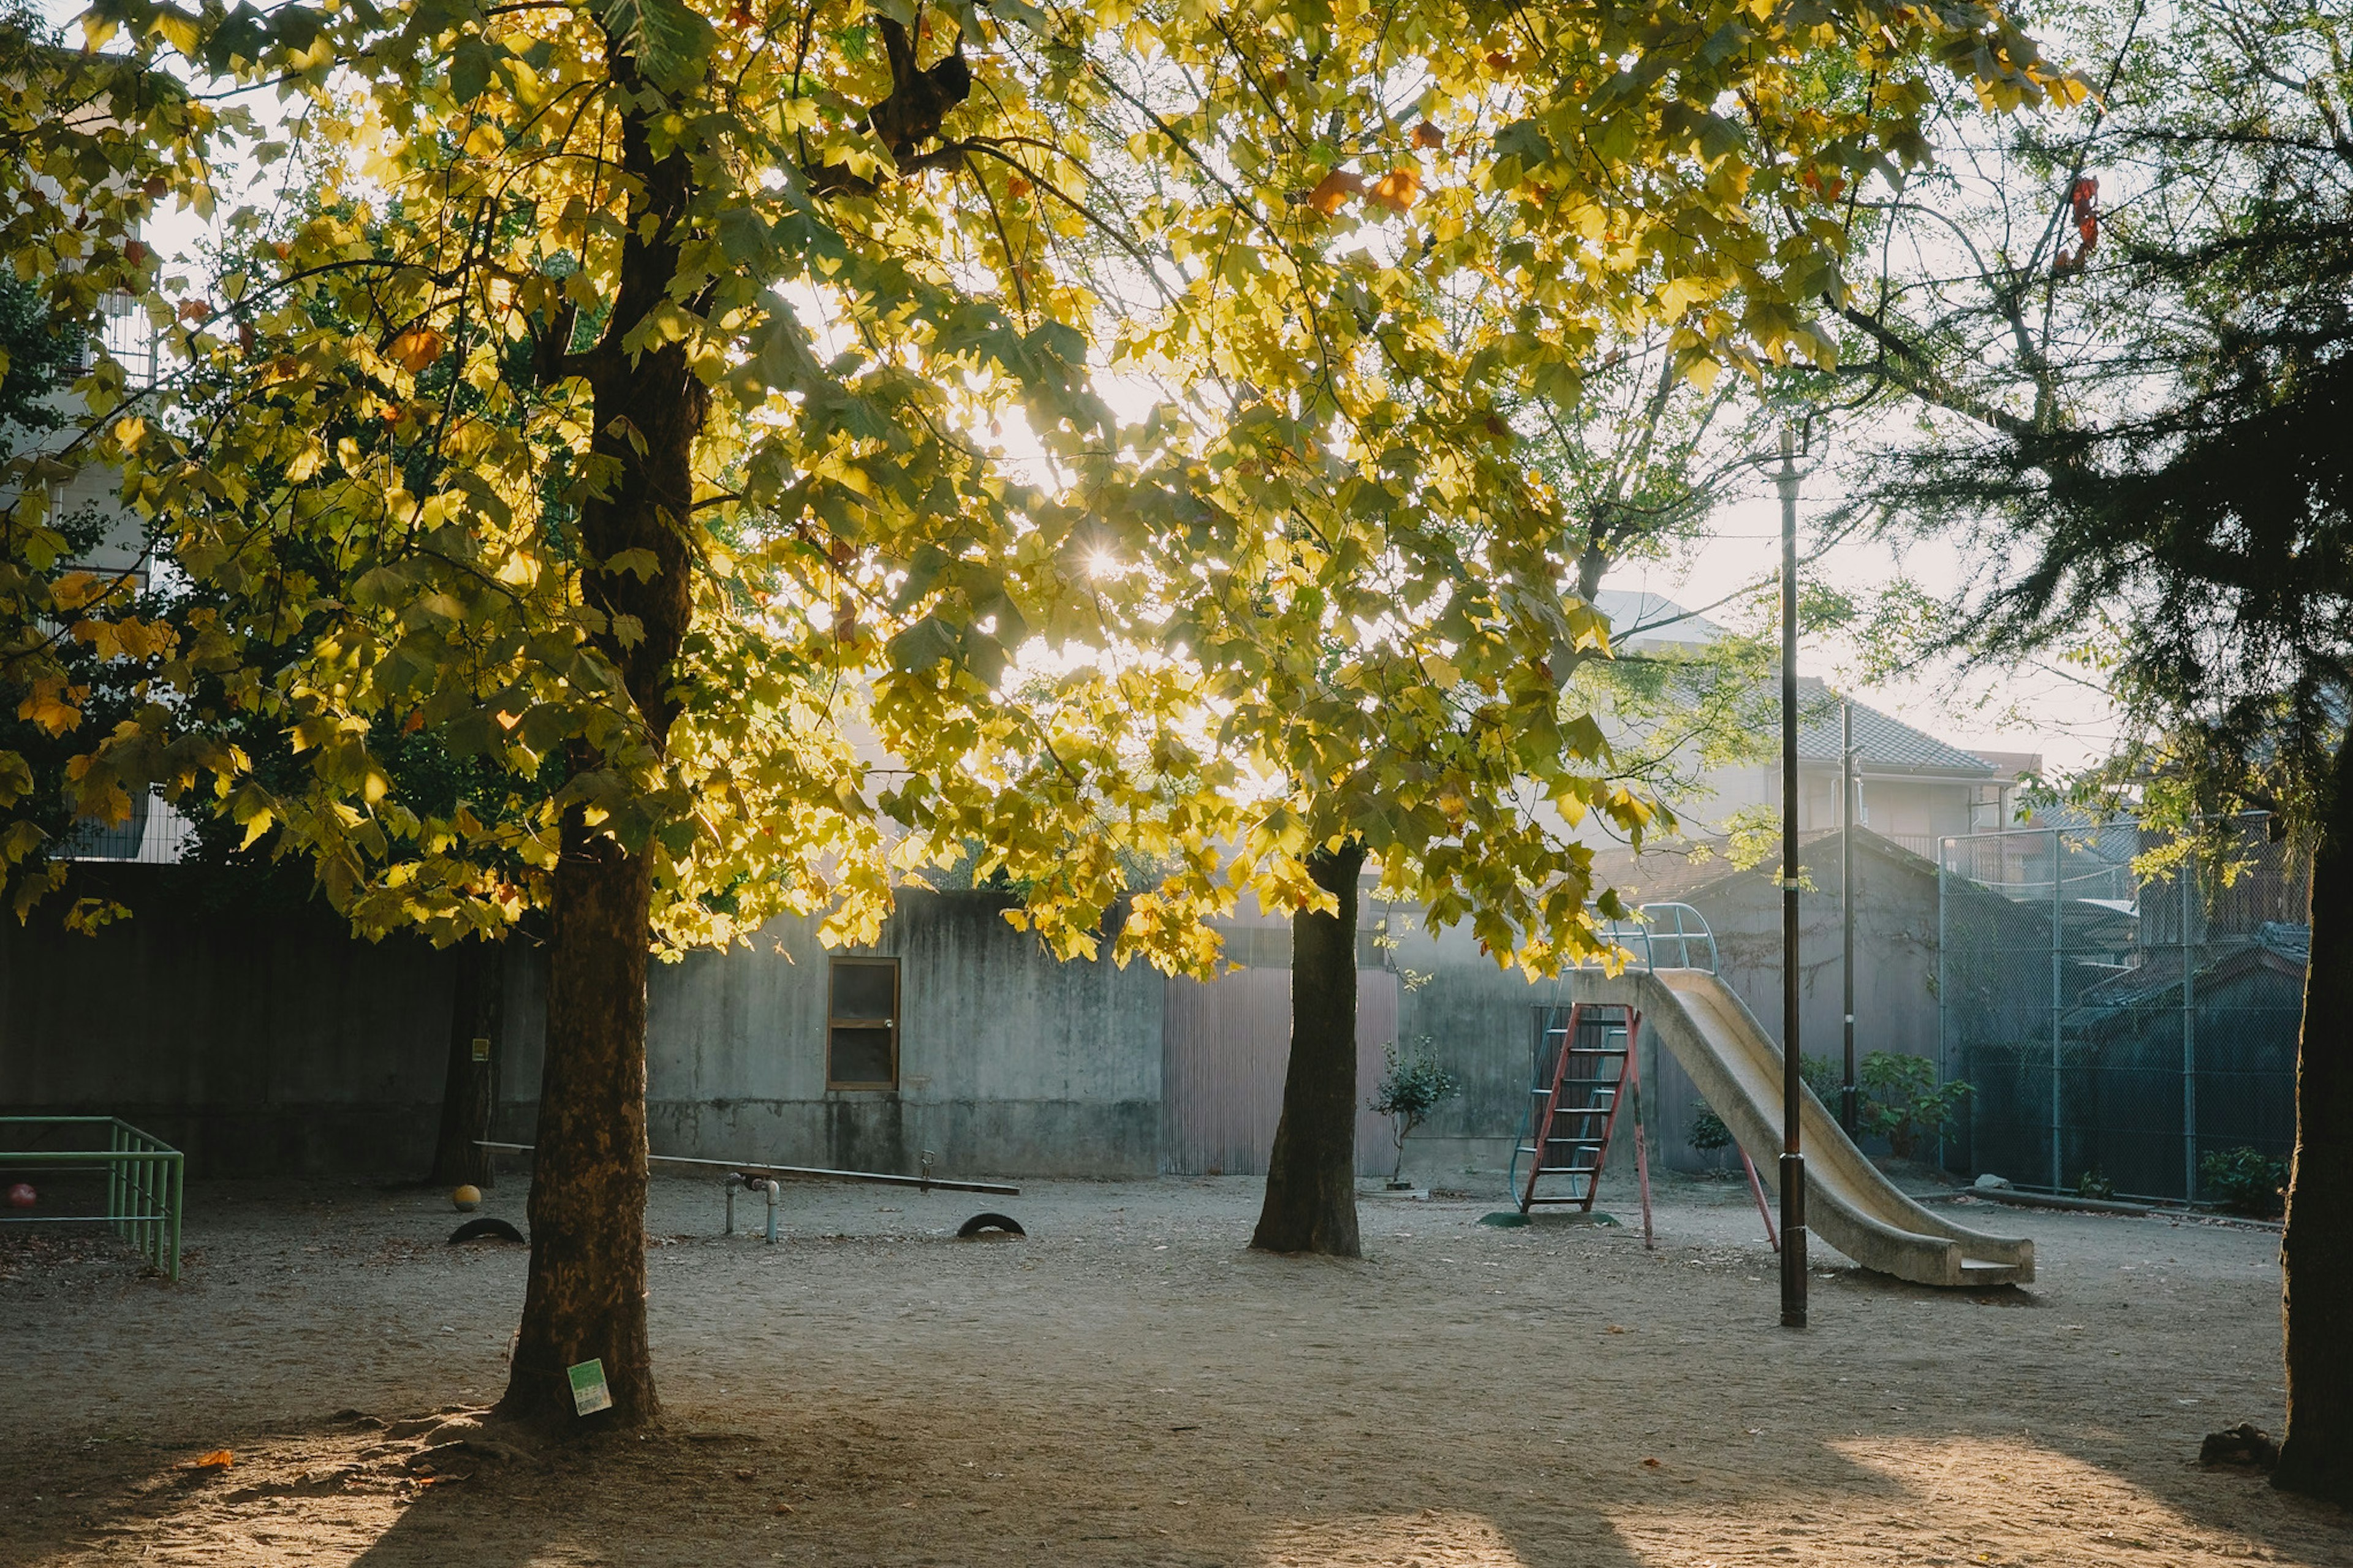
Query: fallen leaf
[1650, 1464]
[218, 1460]
[786, 1508]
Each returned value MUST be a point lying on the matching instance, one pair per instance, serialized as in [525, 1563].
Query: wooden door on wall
[1224, 1046]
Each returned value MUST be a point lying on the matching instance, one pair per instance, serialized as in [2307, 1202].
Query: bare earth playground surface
[1129, 1385]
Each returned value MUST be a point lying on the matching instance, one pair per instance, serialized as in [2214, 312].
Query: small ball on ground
[22, 1196]
[466, 1199]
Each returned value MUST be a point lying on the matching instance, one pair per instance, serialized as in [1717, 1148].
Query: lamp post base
[1793, 1241]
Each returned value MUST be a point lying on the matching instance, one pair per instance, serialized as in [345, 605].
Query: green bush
[2247, 1181]
[1708, 1132]
[1899, 1099]
[1903, 1103]
[1409, 1090]
[2094, 1183]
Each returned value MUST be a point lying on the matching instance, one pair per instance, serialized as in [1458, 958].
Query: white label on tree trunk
[589, 1393]
[481, 1048]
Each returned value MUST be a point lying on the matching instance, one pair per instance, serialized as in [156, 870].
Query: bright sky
[2063, 719]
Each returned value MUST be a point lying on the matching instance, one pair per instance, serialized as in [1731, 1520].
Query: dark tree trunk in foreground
[1311, 1178]
[586, 1295]
[2317, 1247]
[469, 1094]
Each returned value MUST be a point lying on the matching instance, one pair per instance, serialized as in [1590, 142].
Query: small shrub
[1903, 1103]
[1708, 1132]
[1409, 1089]
[2247, 1181]
[2094, 1183]
[1826, 1076]
[1898, 1098]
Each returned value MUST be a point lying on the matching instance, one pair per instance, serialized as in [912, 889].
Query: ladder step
[1567, 1170]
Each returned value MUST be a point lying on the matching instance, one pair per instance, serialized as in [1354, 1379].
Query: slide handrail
[1679, 944]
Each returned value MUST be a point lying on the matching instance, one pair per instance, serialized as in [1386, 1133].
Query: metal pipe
[1846, 904]
[2057, 961]
[2188, 1036]
[1793, 1158]
[812, 1171]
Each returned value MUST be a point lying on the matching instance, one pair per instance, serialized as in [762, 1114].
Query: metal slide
[1848, 1203]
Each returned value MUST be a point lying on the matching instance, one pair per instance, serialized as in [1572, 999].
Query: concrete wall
[1479, 1020]
[1896, 965]
[273, 1043]
[1010, 1063]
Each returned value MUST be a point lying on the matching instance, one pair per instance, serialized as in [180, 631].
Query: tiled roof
[1880, 740]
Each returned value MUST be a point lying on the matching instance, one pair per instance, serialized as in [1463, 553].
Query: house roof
[2282, 947]
[1640, 619]
[1882, 743]
[1675, 875]
[1885, 743]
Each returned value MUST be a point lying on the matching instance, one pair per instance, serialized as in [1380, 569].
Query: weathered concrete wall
[275, 1044]
[1894, 954]
[1011, 1063]
[1480, 1021]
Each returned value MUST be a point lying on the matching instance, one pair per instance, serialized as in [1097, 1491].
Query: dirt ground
[1129, 1385]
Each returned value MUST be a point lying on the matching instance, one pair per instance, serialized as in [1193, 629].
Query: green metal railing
[143, 1181]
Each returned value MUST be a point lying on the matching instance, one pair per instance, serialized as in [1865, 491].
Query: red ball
[22, 1196]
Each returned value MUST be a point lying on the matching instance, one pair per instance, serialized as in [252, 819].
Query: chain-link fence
[2118, 1029]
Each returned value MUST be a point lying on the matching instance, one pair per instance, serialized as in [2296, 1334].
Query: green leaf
[930, 641]
[469, 69]
[746, 238]
[1029, 15]
[671, 41]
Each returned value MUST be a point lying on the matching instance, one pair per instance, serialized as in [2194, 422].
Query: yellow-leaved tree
[652, 400]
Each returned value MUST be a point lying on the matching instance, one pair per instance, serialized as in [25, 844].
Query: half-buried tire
[485, 1230]
[981, 1224]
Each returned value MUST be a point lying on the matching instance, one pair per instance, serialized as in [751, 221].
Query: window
[862, 1025]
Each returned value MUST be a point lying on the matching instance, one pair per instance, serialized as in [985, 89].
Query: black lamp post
[1793, 1098]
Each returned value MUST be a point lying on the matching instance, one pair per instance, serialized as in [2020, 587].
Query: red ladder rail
[1588, 1152]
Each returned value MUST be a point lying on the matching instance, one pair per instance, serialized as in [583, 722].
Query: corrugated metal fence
[1224, 1047]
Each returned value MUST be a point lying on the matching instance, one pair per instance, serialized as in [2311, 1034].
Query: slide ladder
[1585, 1069]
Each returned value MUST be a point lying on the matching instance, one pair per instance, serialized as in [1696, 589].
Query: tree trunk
[469, 1093]
[586, 1295]
[1311, 1178]
[2316, 1245]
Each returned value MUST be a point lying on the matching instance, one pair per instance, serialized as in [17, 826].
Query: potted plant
[1409, 1090]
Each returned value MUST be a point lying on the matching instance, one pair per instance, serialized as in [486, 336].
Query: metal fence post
[2188, 1036]
[2057, 961]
